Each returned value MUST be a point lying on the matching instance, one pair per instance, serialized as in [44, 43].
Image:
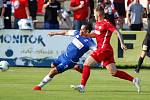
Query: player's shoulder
[106, 21]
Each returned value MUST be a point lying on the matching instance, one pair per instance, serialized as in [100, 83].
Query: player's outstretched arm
[91, 35]
[121, 40]
[64, 32]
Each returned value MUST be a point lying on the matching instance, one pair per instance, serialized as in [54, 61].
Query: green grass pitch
[17, 83]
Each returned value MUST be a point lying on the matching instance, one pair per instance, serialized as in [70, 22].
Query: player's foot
[79, 88]
[137, 70]
[136, 82]
[37, 88]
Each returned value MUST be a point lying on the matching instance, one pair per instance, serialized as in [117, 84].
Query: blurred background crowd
[71, 14]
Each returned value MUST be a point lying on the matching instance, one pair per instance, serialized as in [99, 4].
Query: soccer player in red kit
[104, 53]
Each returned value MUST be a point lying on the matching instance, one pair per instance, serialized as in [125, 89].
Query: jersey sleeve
[73, 32]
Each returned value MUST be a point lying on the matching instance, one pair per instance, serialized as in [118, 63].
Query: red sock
[85, 74]
[123, 75]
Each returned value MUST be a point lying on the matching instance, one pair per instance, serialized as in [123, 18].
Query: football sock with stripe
[45, 80]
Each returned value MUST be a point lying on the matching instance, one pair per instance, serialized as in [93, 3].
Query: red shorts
[104, 56]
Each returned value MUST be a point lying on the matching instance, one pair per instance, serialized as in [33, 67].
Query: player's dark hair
[100, 9]
[88, 27]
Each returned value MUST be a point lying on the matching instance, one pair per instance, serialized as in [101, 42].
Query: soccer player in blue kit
[75, 50]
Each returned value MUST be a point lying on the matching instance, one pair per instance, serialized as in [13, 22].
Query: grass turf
[17, 84]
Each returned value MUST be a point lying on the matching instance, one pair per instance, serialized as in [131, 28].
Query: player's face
[98, 15]
[83, 29]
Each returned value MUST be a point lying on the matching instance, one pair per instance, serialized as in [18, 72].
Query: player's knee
[52, 65]
[76, 67]
[53, 72]
[113, 72]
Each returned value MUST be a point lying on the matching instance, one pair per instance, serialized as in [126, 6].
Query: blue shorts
[63, 63]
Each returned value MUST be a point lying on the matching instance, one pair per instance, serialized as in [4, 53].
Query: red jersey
[103, 33]
[80, 14]
[19, 8]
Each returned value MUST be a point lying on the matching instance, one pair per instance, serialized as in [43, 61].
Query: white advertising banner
[31, 47]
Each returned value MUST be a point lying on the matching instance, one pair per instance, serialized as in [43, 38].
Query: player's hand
[51, 33]
[129, 24]
[123, 47]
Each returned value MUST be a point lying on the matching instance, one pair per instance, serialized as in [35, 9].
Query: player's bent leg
[78, 68]
[123, 75]
[85, 74]
[46, 79]
[118, 73]
[111, 68]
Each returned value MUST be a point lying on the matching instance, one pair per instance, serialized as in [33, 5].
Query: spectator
[135, 15]
[7, 14]
[33, 8]
[91, 2]
[64, 15]
[1, 13]
[120, 7]
[129, 2]
[21, 11]
[81, 12]
[51, 13]
[99, 1]
[148, 12]
[1, 6]
[65, 19]
[110, 13]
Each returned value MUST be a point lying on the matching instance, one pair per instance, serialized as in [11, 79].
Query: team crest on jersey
[100, 27]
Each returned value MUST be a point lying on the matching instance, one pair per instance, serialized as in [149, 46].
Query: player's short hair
[88, 27]
[100, 9]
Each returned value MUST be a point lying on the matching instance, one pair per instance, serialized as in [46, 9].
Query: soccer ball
[4, 65]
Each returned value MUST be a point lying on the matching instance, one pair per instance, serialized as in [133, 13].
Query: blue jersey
[78, 47]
